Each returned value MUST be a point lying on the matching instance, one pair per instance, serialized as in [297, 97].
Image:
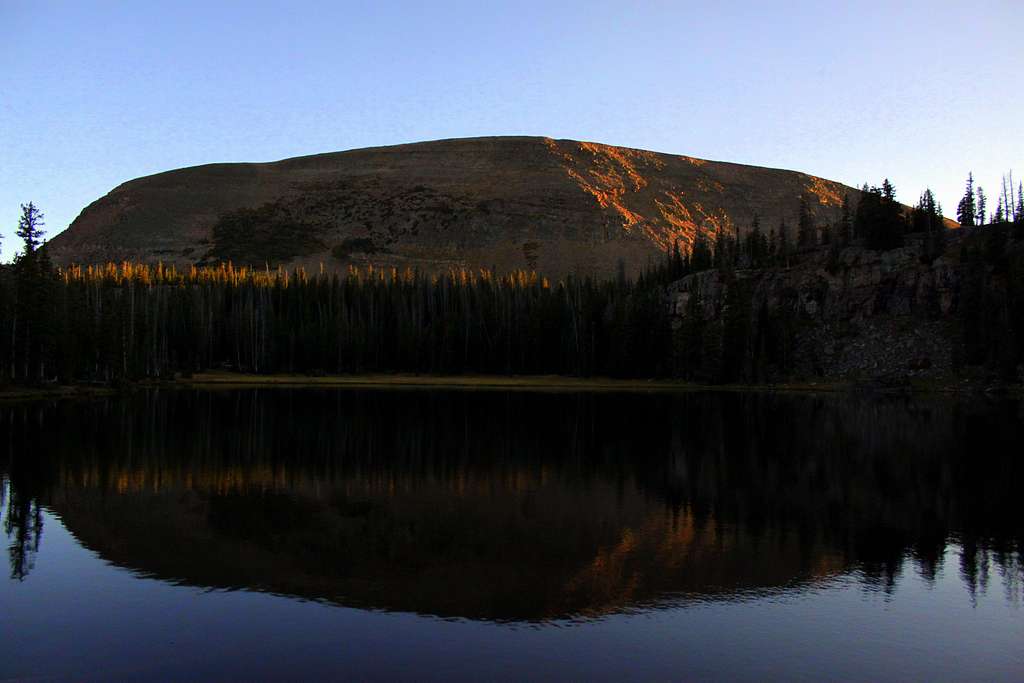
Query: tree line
[877, 221]
[124, 322]
[750, 343]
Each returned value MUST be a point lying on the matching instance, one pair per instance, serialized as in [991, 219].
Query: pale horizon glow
[95, 94]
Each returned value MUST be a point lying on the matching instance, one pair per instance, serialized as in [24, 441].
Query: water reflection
[520, 506]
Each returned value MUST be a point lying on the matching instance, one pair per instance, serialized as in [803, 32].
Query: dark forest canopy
[126, 322]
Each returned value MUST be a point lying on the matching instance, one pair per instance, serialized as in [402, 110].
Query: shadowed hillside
[557, 206]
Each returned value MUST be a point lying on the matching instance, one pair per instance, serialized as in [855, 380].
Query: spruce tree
[927, 215]
[783, 246]
[998, 217]
[677, 267]
[1018, 223]
[721, 256]
[879, 218]
[980, 216]
[966, 211]
[845, 228]
[1018, 212]
[757, 246]
[32, 310]
[30, 228]
[805, 226]
[700, 255]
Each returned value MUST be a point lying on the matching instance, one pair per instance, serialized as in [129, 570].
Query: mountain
[557, 206]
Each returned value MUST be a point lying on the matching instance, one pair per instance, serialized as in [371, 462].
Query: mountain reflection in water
[519, 506]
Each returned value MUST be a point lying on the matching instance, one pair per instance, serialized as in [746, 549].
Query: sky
[93, 94]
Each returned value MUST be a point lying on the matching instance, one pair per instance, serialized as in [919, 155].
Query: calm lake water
[412, 534]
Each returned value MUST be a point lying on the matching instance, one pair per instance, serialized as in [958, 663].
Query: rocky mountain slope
[557, 206]
[860, 314]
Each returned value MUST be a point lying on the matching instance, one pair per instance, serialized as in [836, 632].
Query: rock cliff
[858, 313]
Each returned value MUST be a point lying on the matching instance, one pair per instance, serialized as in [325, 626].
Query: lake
[417, 534]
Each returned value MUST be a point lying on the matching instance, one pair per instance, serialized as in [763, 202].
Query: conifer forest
[114, 323]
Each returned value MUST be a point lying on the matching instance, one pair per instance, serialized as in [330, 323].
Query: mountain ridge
[513, 202]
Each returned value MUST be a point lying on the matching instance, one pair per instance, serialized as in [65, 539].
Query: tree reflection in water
[520, 505]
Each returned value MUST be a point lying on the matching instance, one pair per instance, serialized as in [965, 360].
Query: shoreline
[231, 380]
[484, 382]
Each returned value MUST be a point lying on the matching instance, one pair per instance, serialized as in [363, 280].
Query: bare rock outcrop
[859, 314]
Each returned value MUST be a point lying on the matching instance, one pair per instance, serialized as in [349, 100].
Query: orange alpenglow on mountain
[556, 206]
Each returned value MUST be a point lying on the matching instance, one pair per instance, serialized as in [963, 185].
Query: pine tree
[700, 255]
[783, 245]
[736, 341]
[721, 256]
[998, 217]
[845, 228]
[689, 339]
[859, 224]
[1018, 213]
[757, 244]
[965, 211]
[1018, 223]
[980, 217]
[879, 218]
[30, 227]
[927, 215]
[805, 225]
[888, 191]
[677, 268]
[33, 309]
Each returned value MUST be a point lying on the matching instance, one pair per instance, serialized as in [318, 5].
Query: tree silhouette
[965, 210]
[879, 219]
[805, 236]
[30, 228]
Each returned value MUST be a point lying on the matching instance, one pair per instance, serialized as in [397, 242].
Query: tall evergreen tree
[844, 230]
[30, 228]
[677, 266]
[980, 217]
[783, 249]
[756, 244]
[700, 255]
[32, 315]
[805, 236]
[888, 191]
[927, 214]
[966, 211]
[1018, 223]
[998, 217]
[1018, 213]
[879, 218]
[721, 256]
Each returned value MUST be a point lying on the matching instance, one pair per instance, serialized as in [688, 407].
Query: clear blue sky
[96, 93]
